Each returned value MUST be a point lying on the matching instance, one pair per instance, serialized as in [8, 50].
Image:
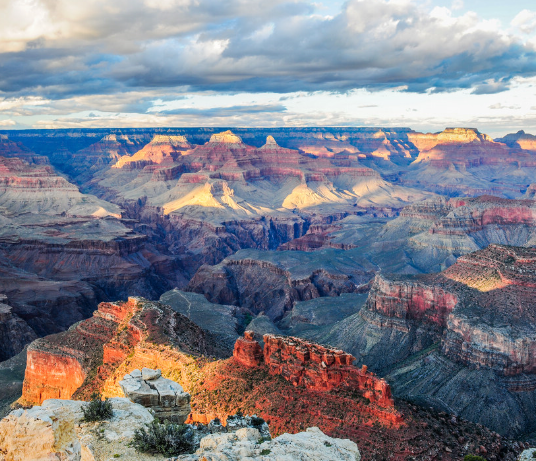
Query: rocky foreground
[461, 340]
[56, 430]
[291, 383]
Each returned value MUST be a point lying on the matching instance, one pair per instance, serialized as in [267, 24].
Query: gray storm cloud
[60, 49]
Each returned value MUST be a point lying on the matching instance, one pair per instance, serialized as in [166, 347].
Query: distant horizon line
[223, 127]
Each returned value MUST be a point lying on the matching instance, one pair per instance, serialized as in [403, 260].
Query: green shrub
[166, 438]
[257, 422]
[266, 451]
[473, 458]
[97, 409]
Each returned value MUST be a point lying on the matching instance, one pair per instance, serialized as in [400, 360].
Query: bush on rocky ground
[97, 409]
[165, 438]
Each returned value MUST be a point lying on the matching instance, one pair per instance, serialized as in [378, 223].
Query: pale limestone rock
[147, 374]
[164, 397]
[244, 445]
[527, 455]
[54, 432]
[227, 137]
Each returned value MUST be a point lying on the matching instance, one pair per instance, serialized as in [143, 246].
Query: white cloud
[525, 21]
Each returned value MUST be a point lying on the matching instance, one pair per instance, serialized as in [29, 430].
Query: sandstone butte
[484, 302]
[292, 385]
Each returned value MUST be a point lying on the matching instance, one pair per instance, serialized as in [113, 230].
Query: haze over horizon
[424, 64]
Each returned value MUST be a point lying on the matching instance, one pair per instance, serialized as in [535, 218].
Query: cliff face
[15, 333]
[342, 400]
[228, 195]
[470, 325]
[161, 150]
[320, 368]
[81, 359]
[263, 286]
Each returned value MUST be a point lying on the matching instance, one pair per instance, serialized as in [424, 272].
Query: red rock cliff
[313, 366]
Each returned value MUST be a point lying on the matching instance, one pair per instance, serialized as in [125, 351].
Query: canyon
[412, 252]
[331, 393]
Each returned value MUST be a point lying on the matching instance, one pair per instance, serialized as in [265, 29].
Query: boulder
[164, 397]
[247, 444]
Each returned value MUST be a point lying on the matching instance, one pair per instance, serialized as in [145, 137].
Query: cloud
[81, 52]
[226, 111]
[7, 122]
[501, 106]
[525, 21]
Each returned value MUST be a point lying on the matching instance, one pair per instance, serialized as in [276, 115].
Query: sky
[424, 64]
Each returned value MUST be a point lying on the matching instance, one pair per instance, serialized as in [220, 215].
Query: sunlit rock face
[471, 327]
[165, 398]
[161, 150]
[518, 140]
[57, 245]
[51, 231]
[226, 137]
[472, 301]
[463, 161]
[436, 232]
[58, 365]
[342, 400]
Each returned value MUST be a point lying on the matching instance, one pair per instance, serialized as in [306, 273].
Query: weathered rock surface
[161, 150]
[220, 388]
[464, 161]
[54, 431]
[245, 444]
[247, 351]
[61, 365]
[313, 366]
[469, 327]
[273, 282]
[164, 397]
[226, 195]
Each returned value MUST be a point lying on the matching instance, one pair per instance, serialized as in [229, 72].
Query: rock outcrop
[227, 195]
[247, 351]
[161, 150]
[63, 365]
[470, 325]
[463, 161]
[153, 337]
[272, 283]
[313, 366]
[247, 444]
[164, 397]
[54, 431]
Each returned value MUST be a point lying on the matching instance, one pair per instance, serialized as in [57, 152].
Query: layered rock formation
[161, 150]
[61, 365]
[228, 195]
[165, 398]
[473, 322]
[519, 140]
[463, 161]
[220, 388]
[272, 283]
[313, 366]
[60, 246]
[436, 232]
